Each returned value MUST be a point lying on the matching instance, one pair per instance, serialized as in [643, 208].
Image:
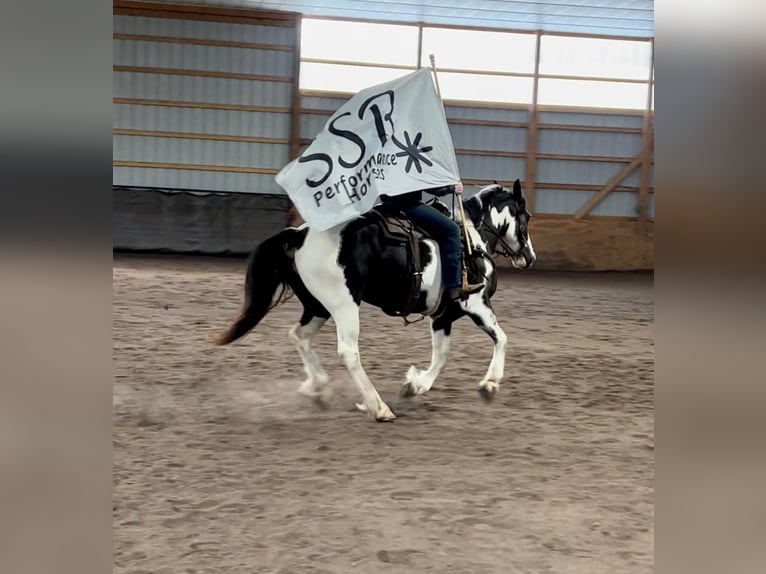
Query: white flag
[389, 139]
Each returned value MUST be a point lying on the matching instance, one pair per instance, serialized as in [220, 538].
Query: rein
[507, 251]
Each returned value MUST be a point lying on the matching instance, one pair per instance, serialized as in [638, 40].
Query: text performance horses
[331, 272]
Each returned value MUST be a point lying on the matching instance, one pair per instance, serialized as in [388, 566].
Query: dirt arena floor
[221, 467]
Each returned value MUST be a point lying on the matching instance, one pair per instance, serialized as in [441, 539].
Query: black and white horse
[331, 272]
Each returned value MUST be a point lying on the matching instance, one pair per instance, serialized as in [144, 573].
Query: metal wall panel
[491, 168]
[311, 125]
[582, 172]
[497, 115]
[488, 137]
[202, 90]
[202, 181]
[322, 103]
[175, 28]
[568, 201]
[147, 143]
[202, 58]
[588, 143]
[200, 152]
[196, 120]
[591, 119]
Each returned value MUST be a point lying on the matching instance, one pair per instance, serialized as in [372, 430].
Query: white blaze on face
[501, 219]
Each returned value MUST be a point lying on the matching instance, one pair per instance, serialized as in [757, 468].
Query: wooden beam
[200, 105]
[587, 128]
[420, 45]
[295, 107]
[201, 42]
[471, 104]
[195, 167]
[201, 73]
[608, 188]
[204, 13]
[198, 136]
[586, 187]
[643, 195]
[491, 153]
[531, 167]
[358, 64]
[591, 158]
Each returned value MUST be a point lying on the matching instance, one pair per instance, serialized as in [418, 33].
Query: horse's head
[502, 219]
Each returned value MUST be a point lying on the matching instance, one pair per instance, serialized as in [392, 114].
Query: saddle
[399, 230]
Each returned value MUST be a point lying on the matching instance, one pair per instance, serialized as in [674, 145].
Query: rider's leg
[447, 233]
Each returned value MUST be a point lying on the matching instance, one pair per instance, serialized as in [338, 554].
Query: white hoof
[385, 414]
[309, 389]
[488, 389]
[415, 384]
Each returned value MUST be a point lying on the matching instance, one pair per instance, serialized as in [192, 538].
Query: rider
[443, 229]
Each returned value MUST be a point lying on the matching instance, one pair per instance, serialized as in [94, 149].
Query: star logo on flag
[413, 152]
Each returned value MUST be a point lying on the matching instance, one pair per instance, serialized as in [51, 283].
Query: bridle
[506, 251]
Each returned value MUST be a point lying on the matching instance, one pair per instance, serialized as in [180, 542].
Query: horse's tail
[269, 267]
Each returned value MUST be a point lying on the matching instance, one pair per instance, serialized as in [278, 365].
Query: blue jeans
[447, 234]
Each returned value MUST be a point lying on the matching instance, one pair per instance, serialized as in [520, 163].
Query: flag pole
[460, 203]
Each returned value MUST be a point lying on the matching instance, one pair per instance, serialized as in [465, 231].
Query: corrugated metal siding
[202, 90]
[581, 172]
[568, 201]
[489, 168]
[203, 181]
[202, 58]
[188, 88]
[200, 152]
[203, 30]
[490, 114]
[488, 137]
[587, 119]
[588, 143]
[196, 120]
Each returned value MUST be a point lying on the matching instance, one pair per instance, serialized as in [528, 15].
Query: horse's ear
[517, 190]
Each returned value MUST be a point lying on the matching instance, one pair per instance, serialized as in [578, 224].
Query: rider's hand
[459, 187]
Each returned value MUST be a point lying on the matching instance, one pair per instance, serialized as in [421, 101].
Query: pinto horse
[332, 272]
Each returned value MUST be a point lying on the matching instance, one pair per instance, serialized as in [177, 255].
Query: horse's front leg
[419, 381]
[483, 315]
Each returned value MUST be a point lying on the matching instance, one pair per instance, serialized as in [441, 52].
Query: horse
[397, 269]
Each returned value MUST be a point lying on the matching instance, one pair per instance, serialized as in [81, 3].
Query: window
[486, 66]
[565, 55]
[361, 43]
[472, 50]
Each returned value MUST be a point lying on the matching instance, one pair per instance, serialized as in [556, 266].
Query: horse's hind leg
[484, 317]
[302, 334]
[419, 381]
[325, 279]
[346, 319]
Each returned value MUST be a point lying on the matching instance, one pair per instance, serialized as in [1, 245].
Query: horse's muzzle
[529, 258]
